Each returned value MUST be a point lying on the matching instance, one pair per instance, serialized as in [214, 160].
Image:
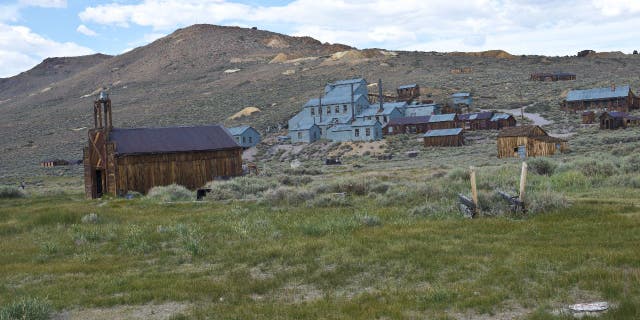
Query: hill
[206, 74]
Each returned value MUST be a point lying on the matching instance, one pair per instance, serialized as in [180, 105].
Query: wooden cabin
[502, 120]
[117, 161]
[615, 120]
[407, 125]
[444, 138]
[408, 92]
[528, 141]
[476, 121]
[555, 76]
[607, 99]
[588, 117]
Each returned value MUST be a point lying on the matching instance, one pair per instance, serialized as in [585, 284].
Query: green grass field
[290, 246]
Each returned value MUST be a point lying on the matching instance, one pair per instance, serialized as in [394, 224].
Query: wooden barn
[444, 138]
[528, 141]
[408, 92]
[555, 76]
[608, 99]
[615, 120]
[407, 125]
[588, 117]
[117, 161]
[476, 121]
[502, 120]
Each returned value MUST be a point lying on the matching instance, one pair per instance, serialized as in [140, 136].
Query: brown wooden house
[407, 125]
[502, 120]
[444, 138]
[117, 161]
[607, 99]
[612, 120]
[528, 141]
[555, 76]
[588, 117]
[408, 92]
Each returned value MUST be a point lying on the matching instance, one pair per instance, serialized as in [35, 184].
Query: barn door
[99, 184]
[522, 151]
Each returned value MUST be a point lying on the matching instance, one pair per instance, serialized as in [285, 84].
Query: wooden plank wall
[507, 147]
[190, 169]
[444, 141]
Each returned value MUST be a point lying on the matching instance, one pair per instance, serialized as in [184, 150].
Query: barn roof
[409, 120]
[238, 130]
[500, 116]
[408, 86]
[598, 93]
[522, 131]
[476, 116]
[461, 95]
[587, 113]
[442, 117]
[172, 139]
[443, 132]
[615, 114]
[364, 123]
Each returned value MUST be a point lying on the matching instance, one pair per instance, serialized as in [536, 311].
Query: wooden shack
[555, 76]
[502, 120]
[408, 92]
[476, 121]
[588, 117]
[407, 125]
[607, 99]
[528, 141]
[612, 120]
[444, 138]
[117, 161]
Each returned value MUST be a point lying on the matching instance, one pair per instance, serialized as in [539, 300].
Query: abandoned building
[54, 163]
[408, 92]
[528, 141]
[459, 102]
[554, 76]
[607, 99]
[245, 136]
[117, 161]
[444, 138]
[344, 113]
[611, 120]
[408, 125]
[418, 109]
[588, 117]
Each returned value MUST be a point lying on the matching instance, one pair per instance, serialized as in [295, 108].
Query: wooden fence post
[523, 184]
[474, 190]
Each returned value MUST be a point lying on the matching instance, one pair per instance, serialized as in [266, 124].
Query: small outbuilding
[245, 136]
[502, 120]
[612, 120]
[528, 141]
[588, 117]
[408, 92]
[444, 138]
[407, 125]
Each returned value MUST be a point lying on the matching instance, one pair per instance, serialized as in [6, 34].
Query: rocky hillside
[207, 74]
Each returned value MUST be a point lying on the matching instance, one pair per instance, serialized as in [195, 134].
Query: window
[369, 118]
[238, 139]
[320, 131]
[250, 139]
[385, 119]
[367, 132]
[357, 132]
[378, 118]
[344, 108]
[244, 139]
[337, 109]
[299, 135]
[328, 109]
[390, 129]
[313, 111]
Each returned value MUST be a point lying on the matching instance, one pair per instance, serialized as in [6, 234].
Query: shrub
[432, 209]
[287, 195]
[240, 188]
[542, 166]
[90, 218]
[458, 174]
[170, 193]
[328, 200]
[10, 192]
[548, 200]
[594, 168]
[631, 164]
[370, 221]
[302, 171]
[294, 180]
[27, 308]
[192, 239]
[135, 240]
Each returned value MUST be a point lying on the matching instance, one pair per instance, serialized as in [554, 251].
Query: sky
[32, 30]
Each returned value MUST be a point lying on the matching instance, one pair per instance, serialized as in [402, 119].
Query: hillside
[205, 74]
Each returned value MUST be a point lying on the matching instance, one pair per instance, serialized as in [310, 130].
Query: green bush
[135, 240]
[27, 309]
[328, 200]
[170, 193]
[248, 187]
[631, 164]
[294, 180]
[287, 195]
[542, 166]
[595, 168]
[10, 192]
[458, 174]
[191, 239]
[544, 201]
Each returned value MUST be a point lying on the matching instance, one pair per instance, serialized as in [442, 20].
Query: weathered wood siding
[444, 141]
[535, 146]
[190, 169]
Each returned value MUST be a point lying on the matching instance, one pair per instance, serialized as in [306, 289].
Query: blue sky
[32, 30]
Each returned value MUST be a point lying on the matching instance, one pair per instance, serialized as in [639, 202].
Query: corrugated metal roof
[409, 120]
[346, 81]
[598, 93]
[408, 86]
[303, 126]
[388, 109]
[476, 116]
[522, 131]
[442, 117]
[334, 97]
[443, 132]
[500, 116]
[172, 139]
[461, 95]
[616, 114]
[238, 130]
[364, 123]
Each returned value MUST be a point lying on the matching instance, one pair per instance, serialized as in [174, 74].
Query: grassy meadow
[370, 239]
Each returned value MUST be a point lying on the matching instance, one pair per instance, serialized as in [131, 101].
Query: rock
[91, 218]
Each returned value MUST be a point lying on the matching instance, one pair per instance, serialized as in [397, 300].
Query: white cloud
[86, 31]
[21, 49]
[522, 26]
[44, 3]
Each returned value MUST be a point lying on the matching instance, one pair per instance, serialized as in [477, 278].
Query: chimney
[353, 111]
[380, 96]
[613, 87]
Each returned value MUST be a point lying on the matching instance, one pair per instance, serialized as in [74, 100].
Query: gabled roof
[461, 95]
[364, 123]
[408, 86]
[443, 132]
[616, 114]
[172, 139]
[388, 109]
[598, 93]
[303, 126]
[346, 81]
[238, 130]
[588, 112]
[334, 97]
[442, 117]
[523, 131]
[476, 116]
[500, 116]
[409, 120]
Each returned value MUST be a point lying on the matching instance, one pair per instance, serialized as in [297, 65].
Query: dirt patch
[498, 54]
[359, 148]
[276, 42]
[244, 113]
[147, 311]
